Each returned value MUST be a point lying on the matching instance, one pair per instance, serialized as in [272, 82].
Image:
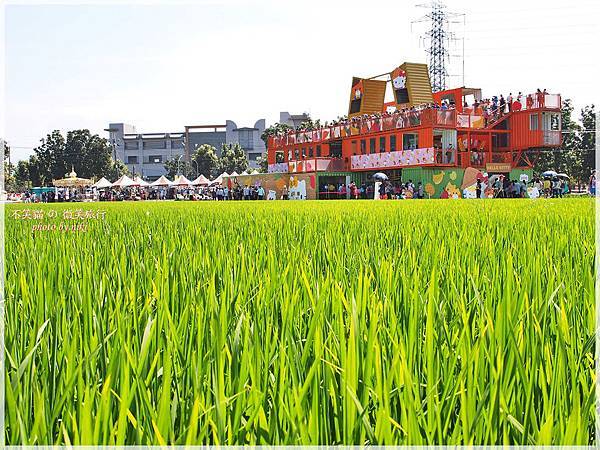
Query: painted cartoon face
[399, 82]
[357, 94]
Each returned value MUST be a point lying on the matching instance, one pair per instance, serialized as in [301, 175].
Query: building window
[311, 152]
[132, 160]
[253, 156]
[289, 155]
[393, 143]
[410, 141]
[177, 143]
[533, 122]
[246, 140]
[372, 145]
[354, 147]
[303, 152]
[131, 145]
[155, 159]
[382, 144]
[155, 144]
[297, 154]
[318, 151]
[363, 147]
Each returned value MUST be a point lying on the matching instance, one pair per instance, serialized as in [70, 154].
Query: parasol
[380, 176]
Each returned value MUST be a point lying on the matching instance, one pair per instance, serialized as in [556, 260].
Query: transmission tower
[437, 40]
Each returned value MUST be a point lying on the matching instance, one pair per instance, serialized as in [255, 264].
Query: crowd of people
[386, 190]
[491, 109]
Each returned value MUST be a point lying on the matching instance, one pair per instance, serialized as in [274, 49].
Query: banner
[403, 158]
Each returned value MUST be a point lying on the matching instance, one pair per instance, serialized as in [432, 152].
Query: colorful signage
[402, 158]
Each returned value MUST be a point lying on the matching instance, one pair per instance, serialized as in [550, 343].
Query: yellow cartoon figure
[438, 177]
[430, 189]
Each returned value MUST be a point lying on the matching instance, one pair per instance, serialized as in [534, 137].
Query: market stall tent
[181, 180]
[124, 182]
[162, 181]
[201, 181]
[140, 182]
[219, 179]
[102, 183]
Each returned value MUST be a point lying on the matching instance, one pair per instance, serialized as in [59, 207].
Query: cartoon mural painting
[398, 77]
[297, 189]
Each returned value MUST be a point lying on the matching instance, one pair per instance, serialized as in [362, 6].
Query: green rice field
[332, 322]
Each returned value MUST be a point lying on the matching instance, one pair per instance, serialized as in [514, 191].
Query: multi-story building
[293, 120]
[147, 153]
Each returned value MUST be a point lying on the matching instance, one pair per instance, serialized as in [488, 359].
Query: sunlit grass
[399, 322]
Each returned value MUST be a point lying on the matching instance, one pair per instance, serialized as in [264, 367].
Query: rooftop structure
[421, 133]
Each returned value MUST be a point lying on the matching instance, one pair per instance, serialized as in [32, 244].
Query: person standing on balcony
[529, 101]
[509, 100]
[449, 151]
[540, 98]
[502, 104]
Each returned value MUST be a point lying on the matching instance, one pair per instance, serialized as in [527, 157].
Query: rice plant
[352, 322]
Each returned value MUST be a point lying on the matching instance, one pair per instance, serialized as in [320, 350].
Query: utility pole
[437, 40]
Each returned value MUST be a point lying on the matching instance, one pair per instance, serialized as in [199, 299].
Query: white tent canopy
[234, 174]
[244, 173]
[254, 172]
[162, 181]
[123, 182]
[141, 182]
[219, 179]
[102, 183]
[201, 181]
[181, 180]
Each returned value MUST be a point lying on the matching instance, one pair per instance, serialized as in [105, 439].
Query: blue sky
[163, 66]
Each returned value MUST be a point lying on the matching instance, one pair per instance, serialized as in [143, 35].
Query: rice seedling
[408, 322]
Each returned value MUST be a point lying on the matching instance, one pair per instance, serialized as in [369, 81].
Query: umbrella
[181, 180]
[201, 181]
[380, 176]
[141, 182]
[563, 175]
[162, 181]
[124, 182]
[549, 174]
[102, 183]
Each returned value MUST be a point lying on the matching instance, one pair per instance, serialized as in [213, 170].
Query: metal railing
[472, 117]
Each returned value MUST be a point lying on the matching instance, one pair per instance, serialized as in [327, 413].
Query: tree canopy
[576, 155]
[86, 153]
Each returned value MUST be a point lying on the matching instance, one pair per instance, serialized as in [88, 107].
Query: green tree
[9, 168]
[274, 130]
[567, 157]
[587, 141]
[233, 158]
[88, 154]
[263, 164]
[118, 169]
[205, 161]
[177, 166]
[22, 176]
